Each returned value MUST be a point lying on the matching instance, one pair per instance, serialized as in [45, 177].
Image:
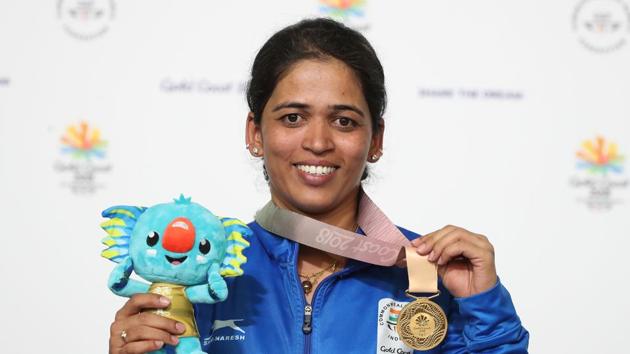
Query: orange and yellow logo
[83, 142]
[342, 9]
[600, 156]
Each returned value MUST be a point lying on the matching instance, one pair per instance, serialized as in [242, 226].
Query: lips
[176, 261]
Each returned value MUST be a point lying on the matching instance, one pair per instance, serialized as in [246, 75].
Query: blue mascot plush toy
[182, 249]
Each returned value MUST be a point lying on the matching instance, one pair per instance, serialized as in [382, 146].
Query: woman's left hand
[465, 260]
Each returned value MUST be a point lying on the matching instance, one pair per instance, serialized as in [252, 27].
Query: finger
[144, 333]
[440, 243]
[115, 335]
[426, 246]
[458, 234]
[142, 347]
[139, 302]
[425, 243]
[459, 248]
[156, 321]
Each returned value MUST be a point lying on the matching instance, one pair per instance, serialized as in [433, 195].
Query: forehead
[319, 81]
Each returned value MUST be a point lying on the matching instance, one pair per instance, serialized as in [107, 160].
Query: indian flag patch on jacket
[387, 340]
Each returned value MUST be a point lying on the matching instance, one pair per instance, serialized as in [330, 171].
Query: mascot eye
[204, 246]
[153, 238]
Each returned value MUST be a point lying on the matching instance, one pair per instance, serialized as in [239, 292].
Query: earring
[377, 156]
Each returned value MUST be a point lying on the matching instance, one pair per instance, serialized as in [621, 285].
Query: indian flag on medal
[392, 320]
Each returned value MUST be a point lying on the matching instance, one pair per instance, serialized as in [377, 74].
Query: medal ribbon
[383, 244]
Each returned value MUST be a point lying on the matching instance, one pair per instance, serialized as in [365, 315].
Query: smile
[316, 170]
[176, 261]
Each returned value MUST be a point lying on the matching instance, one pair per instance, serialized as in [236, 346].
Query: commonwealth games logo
[599, 157]
[82, 142]
[85, 19]
[601, 171]
[83, 155]
[602, 25]
[350, 12]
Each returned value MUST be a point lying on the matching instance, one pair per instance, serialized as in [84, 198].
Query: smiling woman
[316, 99]
[315, 136]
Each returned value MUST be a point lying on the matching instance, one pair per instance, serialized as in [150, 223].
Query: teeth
[316, 170]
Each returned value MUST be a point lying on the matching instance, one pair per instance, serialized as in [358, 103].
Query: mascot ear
[236, 232]
[119, 227]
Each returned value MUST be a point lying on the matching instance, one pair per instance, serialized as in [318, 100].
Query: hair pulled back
[317, 39]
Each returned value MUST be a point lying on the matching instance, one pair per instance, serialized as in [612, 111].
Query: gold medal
[422, 324]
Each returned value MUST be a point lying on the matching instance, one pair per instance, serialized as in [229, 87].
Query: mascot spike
[182, 200]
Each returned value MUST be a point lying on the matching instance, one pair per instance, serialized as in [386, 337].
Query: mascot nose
[179, 236]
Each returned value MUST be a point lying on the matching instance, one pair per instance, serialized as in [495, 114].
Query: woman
[317, 98]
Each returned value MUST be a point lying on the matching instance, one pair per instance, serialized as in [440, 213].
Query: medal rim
[407, 308]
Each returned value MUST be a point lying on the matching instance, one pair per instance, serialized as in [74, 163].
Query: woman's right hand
[145, 331]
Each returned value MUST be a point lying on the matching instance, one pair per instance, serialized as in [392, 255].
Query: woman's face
[315, 136]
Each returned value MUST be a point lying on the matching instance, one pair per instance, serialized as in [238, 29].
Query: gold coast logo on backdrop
[82, 157]
[85, 19]
[601, 172]
[204, 86]
[602, 26]
[387, 340]
[4, 81]
[350, 12]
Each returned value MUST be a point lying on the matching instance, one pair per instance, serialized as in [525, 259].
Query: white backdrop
[489, 103]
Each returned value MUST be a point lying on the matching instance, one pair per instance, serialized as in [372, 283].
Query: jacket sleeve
[485, 323]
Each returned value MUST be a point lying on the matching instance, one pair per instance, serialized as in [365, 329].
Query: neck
[343, 215]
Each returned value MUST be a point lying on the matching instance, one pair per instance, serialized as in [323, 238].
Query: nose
[318, 138]
[179, 235]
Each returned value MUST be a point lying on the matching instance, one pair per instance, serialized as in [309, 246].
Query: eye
[345, 122]
[204, 246]
[153, 238]
[292, 119]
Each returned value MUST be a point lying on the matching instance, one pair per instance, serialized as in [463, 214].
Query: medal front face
[422, 324]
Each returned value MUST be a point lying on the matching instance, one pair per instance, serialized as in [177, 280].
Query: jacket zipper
[307, 323]
[307, 328]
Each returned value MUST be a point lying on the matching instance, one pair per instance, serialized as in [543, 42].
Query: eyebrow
[290, 105]
[348, 107]
[336, 107]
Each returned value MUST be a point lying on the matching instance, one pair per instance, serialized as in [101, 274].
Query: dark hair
[317, 39]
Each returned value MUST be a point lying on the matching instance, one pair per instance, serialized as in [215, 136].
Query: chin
[316, 201]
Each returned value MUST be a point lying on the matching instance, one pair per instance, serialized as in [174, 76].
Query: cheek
[354, 148]
[202, 259]
[279, 146]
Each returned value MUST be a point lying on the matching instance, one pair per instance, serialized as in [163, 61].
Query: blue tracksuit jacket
[353, 311]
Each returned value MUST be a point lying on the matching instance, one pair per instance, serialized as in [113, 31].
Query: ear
[236, 233]
[253, 135]
[119, 227]
[376, 144]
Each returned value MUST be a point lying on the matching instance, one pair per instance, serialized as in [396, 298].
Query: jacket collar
[285, 251]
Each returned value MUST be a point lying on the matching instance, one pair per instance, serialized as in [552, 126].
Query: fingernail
[431, 256]
[164, 301]
[422, 247]
[180, 327]
[174, 340]
[159, 343]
